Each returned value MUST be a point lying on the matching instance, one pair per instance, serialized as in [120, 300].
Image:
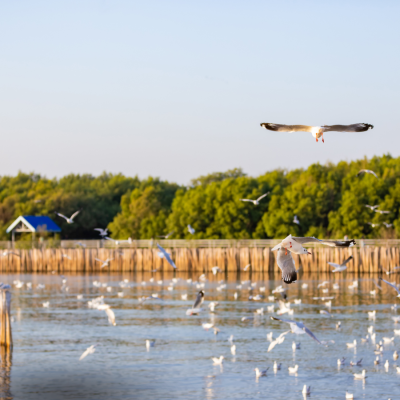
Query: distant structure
[33, 224]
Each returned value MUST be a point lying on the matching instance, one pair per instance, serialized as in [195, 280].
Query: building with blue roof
[32, 224]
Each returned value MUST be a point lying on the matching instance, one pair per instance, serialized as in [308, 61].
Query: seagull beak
[308, 252]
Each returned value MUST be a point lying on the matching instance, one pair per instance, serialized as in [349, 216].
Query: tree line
[329, 200]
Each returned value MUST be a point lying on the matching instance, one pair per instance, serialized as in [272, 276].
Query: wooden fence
[366, 259]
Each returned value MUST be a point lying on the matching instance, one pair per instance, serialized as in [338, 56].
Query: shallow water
[49, 341]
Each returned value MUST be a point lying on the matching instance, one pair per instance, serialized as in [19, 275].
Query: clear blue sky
[178, 89]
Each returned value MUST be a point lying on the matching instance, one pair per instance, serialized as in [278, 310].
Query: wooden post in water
[5, 320]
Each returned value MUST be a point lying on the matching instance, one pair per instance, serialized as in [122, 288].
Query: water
[49, 341]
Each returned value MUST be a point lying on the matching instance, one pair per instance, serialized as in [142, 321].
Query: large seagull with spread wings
[317, 131]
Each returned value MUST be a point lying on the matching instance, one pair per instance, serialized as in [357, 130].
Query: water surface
[49, 341]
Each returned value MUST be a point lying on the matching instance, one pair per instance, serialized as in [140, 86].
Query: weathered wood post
[5, 319]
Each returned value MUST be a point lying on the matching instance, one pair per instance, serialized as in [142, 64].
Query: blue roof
[36, 223]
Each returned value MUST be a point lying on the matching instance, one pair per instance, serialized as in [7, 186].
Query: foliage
[329, 200]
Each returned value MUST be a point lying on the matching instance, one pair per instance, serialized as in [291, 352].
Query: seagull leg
[290, 244]
[323, 141]
[316, 139]
[285, 251]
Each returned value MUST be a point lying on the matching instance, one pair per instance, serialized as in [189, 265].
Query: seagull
[207, 325]
[233, 349]
[256, 202]
[393, 286]
[382, 212]
[218, 361]
[352, 345]
[387, 224]
[104, 263]
[102, 232]
[167, 235]
[295, 244]
[373, 208]
[167, 256]
[277, 366]
[246, 267]
[372, 224]
[293, 370]
[298, 327]
[306, 390]
[349, 396]
[69, 220]
[46, 304]
[261, 373]
[325, 313]
[212, 305]
[357, 363]
[296, 220]
[279, 340]
[111, 316]
[269, 336]
[322, 284]
[89, 350]
[150, 343]
[387, 364]
[340, 267]
[215, 270]
[286, 264]
[387, 340]
[341, 361]
[67, 256]
[367, 171]
[295, 346]
[360, 376]
[191, 230]
[6, 253]
[197, 303]
[395, 355]
[317, 131]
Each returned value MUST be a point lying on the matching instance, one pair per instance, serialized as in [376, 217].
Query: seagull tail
[270, 127]
[277, 247]
[290, 277]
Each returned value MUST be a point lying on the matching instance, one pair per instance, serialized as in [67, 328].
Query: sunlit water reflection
[49, 341]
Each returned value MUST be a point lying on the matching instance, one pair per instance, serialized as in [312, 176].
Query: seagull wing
[247, 200]
[376, 284]
[347, 260]
[391, 284]
[75, 214]
[332, 243]
[111, 316]
[98, 259]
[166, 256]
[63, 216]
[334, 264]
[199, 300]
[261, 197]
[288, 321]
[99, 229]
[286, 128]
[367, 171]
[286, 264]
[309, 333]
[347, 128]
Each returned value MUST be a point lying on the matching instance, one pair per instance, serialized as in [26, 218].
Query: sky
[178, 89]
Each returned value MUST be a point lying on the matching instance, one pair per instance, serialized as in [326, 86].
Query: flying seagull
[295, 244]
[367, 171]
[393, 286]
[6, 253]
[166, 236]
[256, 202]
[340, 267]
[387, 224]
[89, 350]
[191, 230]
[69, 220]
[373, 208]
[102, 232]
[382, 212]
[197, 304]
[166, 255]
[298, 327]
[105, 263]
[296, 220]
[286, 264]
[317, 131]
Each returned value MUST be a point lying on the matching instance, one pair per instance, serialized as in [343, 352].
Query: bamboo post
[5, 328]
